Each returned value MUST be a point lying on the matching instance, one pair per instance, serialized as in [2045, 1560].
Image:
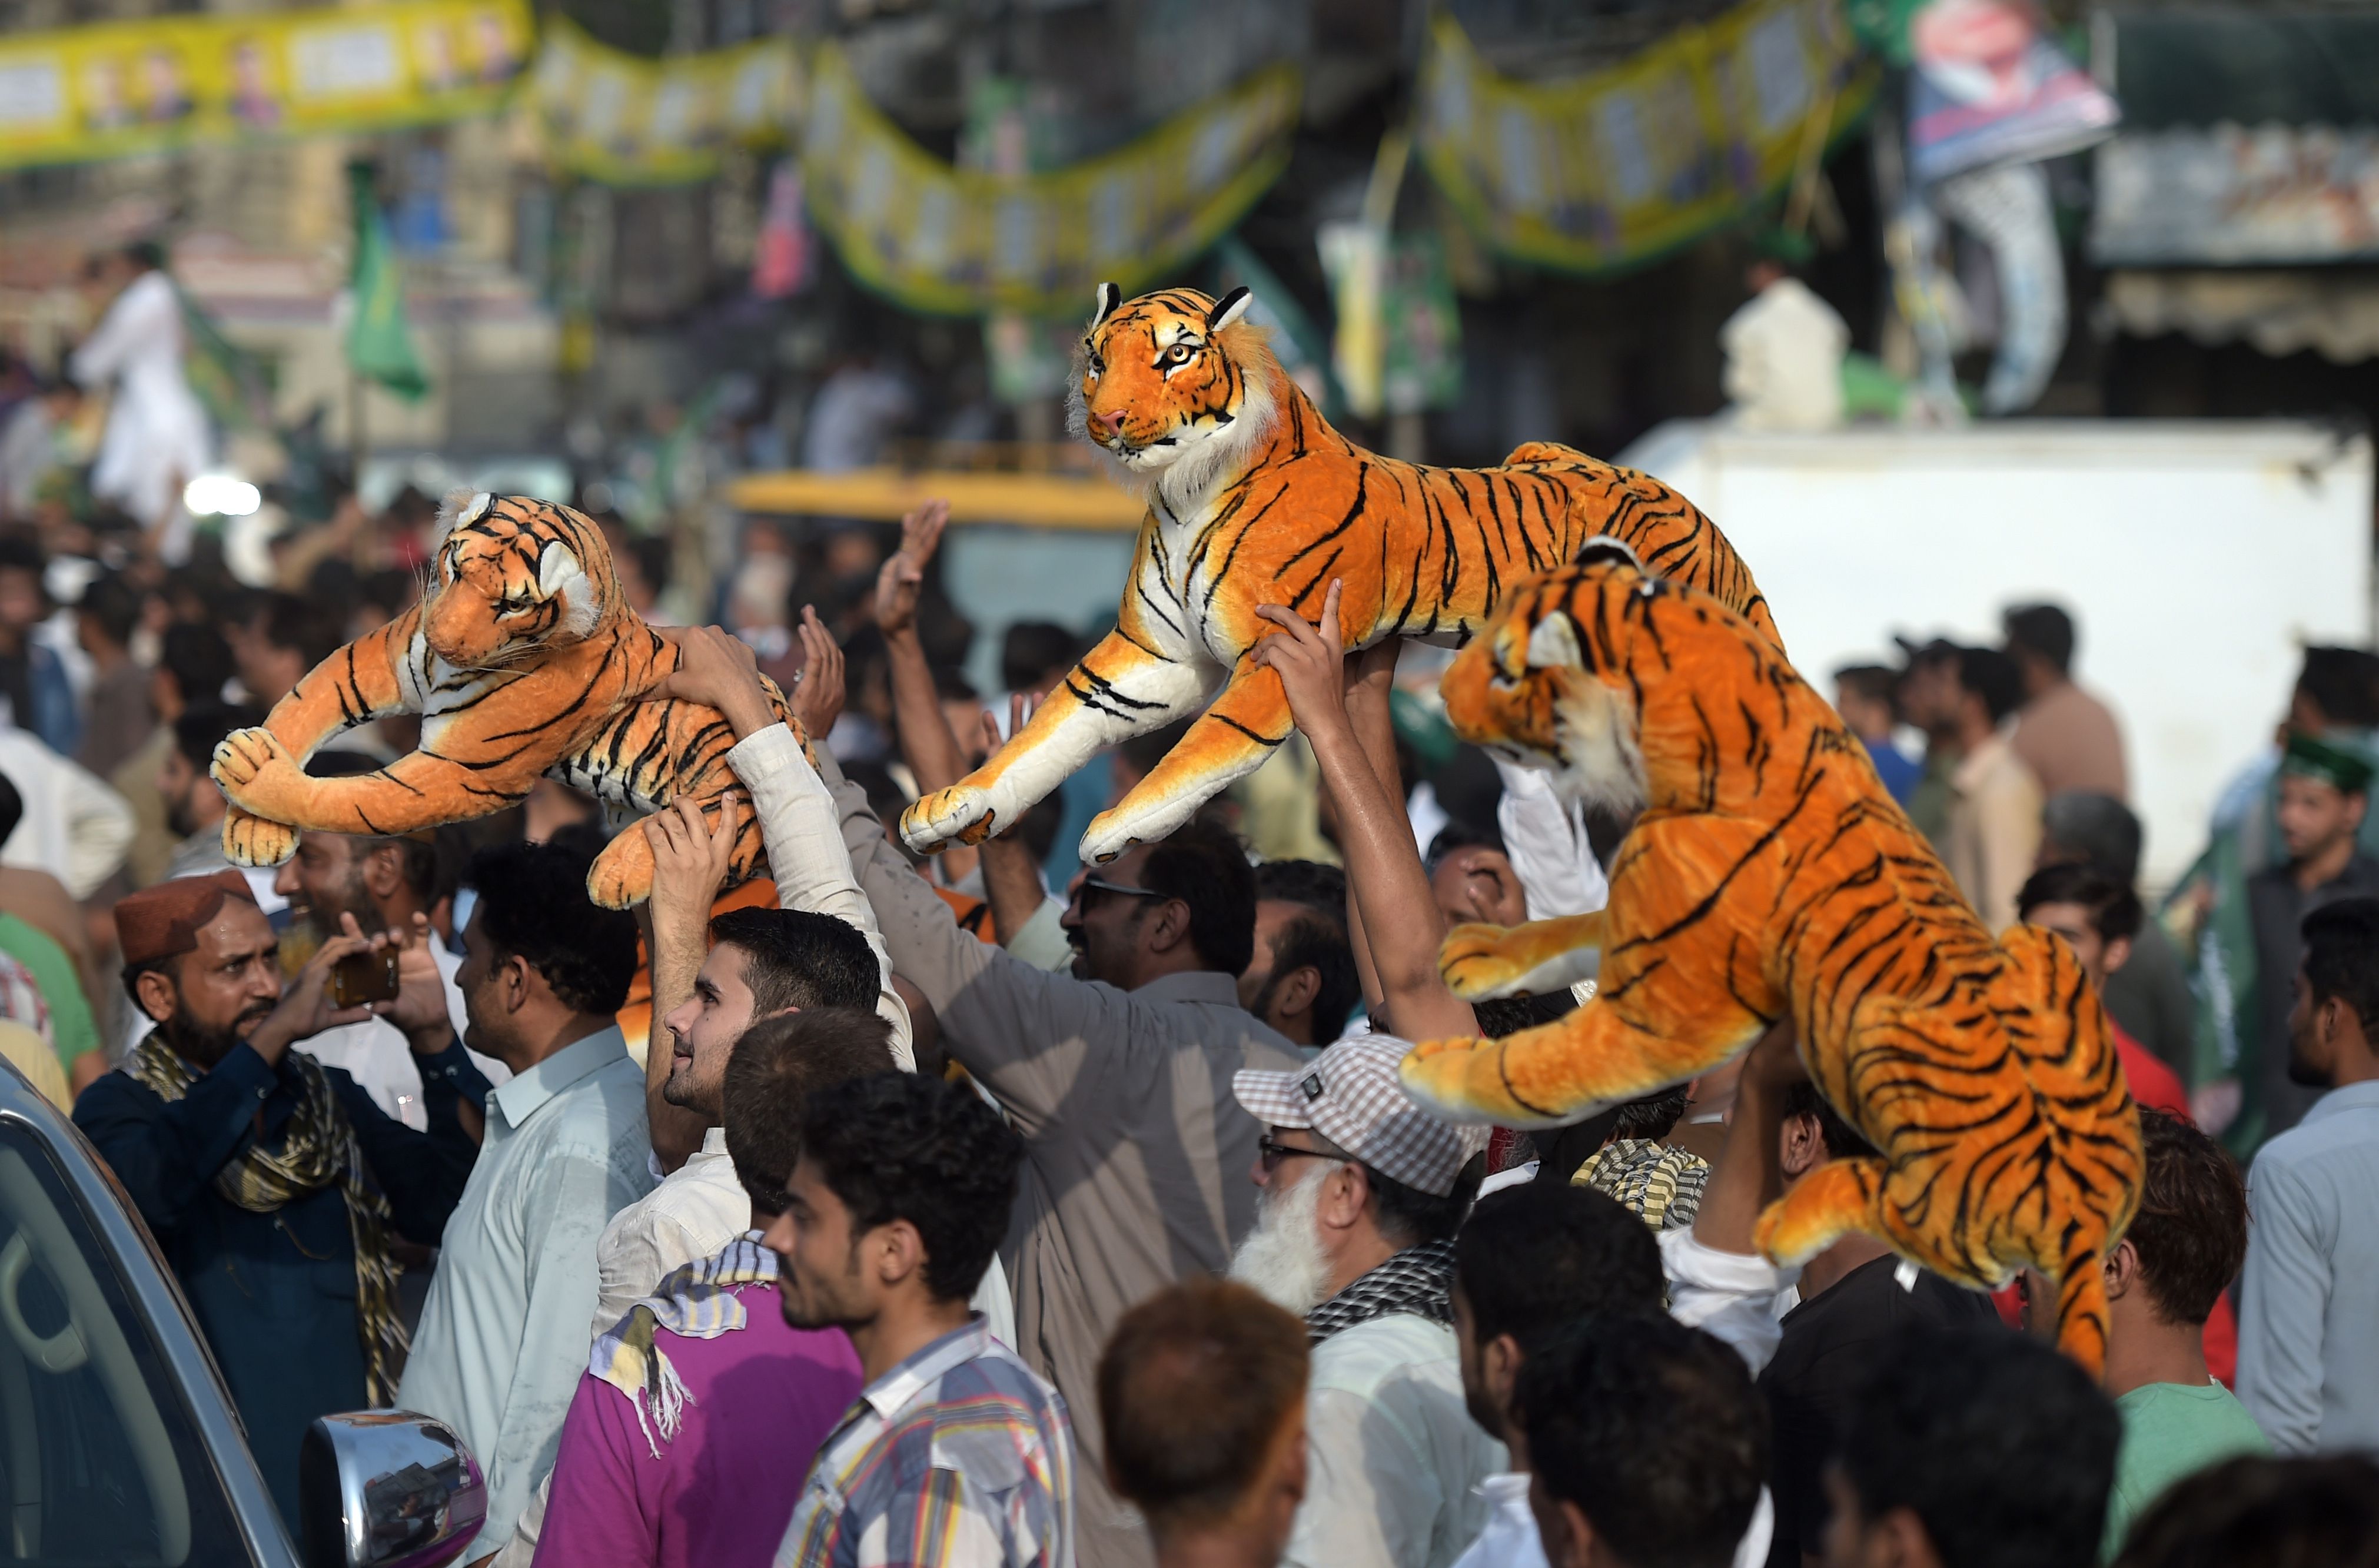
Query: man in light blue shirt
[503, 1336]
[2308, 1358]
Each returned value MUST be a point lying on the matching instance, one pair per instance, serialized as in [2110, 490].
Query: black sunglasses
[1101, 884]
[1272, 1153]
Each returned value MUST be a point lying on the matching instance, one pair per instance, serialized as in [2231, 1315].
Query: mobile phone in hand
[364, 977]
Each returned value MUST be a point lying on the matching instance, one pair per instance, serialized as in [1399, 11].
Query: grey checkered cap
[1351, 1096]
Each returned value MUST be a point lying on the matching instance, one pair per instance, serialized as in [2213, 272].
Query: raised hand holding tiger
[717, 669]
[1310, 661]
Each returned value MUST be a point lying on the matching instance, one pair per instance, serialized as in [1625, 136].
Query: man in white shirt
[1361, 1193]
[383, 883]
[504, 1337]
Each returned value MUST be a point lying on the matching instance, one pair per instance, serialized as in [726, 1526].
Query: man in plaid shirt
[956, 1453]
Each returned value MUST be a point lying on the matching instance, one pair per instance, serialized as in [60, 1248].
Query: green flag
[379, 344]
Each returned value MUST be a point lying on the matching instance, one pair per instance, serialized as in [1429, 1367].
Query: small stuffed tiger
[522, 660]
[1254, 500]
[1770, 876]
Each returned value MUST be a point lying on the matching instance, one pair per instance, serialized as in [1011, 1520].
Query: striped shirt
[1658, 1184]
[957, 1456]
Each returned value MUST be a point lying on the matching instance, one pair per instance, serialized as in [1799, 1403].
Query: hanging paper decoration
[938, 238]
[626, 119]
[1612, 170]
[117, 89]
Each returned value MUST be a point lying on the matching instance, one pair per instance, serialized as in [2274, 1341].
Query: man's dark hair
[2042, 630]
[1654, 1116]
[900, 1147]
[1193, 1388]
[2002, 1448]
[2084, 825]
[1031, 649]
[1842, 1141]
[1317, 938]
[2190, 1230]
[2341, 959]
[1410, 1217]
[203, 725]
[776, 1065]
[1993, 677]
[1502, 1016]
[1206, 868]
[2262, 1513]
[309, 627]
[1874, 682]
[799, 958]
[198, 659]
[113, 605]
[2114, 909]
[1653, 1430]
[532, 905]
[1142, 752]
[1532, 1258]
[12, 808]
[1462, 836]
[19, 553]
[2343, 684]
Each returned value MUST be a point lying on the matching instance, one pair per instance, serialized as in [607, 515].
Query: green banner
[1609, 171]
[957, 242]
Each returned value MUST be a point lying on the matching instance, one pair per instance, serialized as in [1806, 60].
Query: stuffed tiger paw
[962, 813]
[252, 840]
[259, 774]
[1543, 956]
[1439, 1074]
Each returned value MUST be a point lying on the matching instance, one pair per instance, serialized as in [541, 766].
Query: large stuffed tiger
[523, 660]
[1254, 500]
[1770, 876]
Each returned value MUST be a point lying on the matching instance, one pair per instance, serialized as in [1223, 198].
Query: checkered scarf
[1418, 1280]
[319, 1150]
[697, 1301]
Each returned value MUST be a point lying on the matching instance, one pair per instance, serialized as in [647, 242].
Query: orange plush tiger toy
[1770, 876]
[1254, 500]
[523, 660]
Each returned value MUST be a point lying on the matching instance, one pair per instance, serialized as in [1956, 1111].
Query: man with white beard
[1360, 1193]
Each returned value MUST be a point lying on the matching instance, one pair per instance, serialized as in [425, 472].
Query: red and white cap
[1351, 1094]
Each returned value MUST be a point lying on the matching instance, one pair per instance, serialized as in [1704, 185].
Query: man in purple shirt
[700, 1411]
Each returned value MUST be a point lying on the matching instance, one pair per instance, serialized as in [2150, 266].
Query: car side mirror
[387, 1488]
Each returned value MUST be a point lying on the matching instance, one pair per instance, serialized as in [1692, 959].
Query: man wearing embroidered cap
[1362, 1192]
[272, 1183]
[2324, 789]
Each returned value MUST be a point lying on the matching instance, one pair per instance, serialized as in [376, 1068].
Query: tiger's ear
[1228, 308]
[1554, 645]
[1604, 549]
[1107, 297]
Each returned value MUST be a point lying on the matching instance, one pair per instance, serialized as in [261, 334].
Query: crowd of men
[901, 1212]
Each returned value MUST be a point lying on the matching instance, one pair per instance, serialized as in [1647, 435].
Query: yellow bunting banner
[624, 119]
[954, 241]
[122, 87]
[1606, 172]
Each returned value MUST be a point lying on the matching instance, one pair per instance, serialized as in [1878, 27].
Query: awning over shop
[2333, 314]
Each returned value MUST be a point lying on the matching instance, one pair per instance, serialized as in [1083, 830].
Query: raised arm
[929, 744]
[798, 824]
[1388, 890]
[689, 862]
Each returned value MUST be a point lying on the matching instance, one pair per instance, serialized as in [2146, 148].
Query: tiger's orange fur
[523, 660]
[1254, 500]
[1770, 876]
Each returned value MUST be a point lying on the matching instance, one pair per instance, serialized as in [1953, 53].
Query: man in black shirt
[1853, 1296]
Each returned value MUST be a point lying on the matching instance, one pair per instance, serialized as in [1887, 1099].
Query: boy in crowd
[2182, 1250]
[1201, 1395]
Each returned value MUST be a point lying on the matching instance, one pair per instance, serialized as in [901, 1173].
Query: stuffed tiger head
[513, 574]
[1173, 385]
[1551, 683]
